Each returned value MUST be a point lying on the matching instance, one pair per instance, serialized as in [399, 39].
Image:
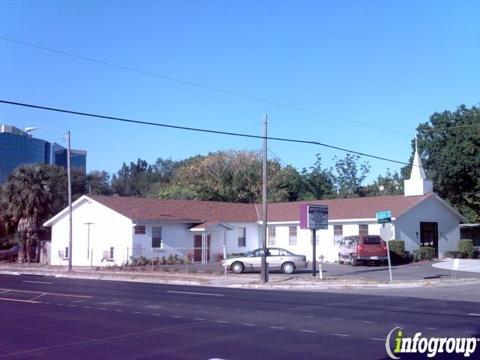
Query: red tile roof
[179, 210]
[207, 211]
[351, 208]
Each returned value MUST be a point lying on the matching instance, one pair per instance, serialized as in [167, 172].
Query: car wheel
[288, 268]
[353, 261]
[237, 267]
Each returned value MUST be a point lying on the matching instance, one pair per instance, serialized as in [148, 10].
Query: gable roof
[350, 208]
[197, 211]
[178, 210]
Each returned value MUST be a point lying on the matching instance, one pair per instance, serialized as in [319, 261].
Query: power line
[200, 85]
[219, 132]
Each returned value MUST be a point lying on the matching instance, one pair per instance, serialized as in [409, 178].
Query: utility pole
[264, 271]
[69, 184]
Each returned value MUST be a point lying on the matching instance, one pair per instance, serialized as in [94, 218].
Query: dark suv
[356, 249]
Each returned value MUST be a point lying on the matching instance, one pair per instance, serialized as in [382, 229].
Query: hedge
[397, 251]
[424, 253]
[465, 246]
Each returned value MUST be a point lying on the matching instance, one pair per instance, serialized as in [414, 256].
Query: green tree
[450, 147]
[388, 184]
[98, 183]
[349, 175]
[134, 180]
[27, 202]
[318, 183]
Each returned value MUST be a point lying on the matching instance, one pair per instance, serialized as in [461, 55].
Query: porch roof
[211, 226]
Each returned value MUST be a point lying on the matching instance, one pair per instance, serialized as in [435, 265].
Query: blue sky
[390, 64]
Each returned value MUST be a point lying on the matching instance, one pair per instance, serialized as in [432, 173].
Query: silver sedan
[277, 258]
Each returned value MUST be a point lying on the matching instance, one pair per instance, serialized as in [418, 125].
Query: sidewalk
[248, 280]
[469, 265]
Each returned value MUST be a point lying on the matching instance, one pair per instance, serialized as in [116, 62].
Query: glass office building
[19, 148]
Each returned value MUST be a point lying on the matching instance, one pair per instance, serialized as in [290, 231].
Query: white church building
[113, 230]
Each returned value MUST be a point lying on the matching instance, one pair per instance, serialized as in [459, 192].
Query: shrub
[397, 251]
[218, 257]
[454, 254]
[424, 253]
[465, 246]
[176, 259]
[163, 261]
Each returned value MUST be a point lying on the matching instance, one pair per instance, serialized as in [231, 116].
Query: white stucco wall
[326, 245]
[430, 210]
[178, 239]
[108, 229]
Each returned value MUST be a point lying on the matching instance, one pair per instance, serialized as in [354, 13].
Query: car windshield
[371, 240]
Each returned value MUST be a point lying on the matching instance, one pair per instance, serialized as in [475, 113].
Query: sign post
[385, 217]
[314, 217]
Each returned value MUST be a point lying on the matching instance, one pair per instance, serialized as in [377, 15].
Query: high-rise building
[18, 147]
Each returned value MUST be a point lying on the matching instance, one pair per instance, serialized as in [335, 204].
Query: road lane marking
[473, 314]
[137, 312]
[47, 293]
[119, 310]
[18, 300]
[430, 328]
[368, 322]
[176, 316]
[377, 339]
[248, 324]
[277, 327]
[222, 321]
[102, 308]
[337, 319]
[310, 317]
[37, 282]
[199, 319]
[343, 335]
[193, 293]
[308, 331]
[157, 314]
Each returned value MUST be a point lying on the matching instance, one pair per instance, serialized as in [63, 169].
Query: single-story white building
[112, 230]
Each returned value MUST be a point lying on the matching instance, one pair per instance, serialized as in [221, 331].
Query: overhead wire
[200, 85]
[194, 129]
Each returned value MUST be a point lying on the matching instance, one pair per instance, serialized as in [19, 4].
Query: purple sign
[314, 217]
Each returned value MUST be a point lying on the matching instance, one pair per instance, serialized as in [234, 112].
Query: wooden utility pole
[264, 271]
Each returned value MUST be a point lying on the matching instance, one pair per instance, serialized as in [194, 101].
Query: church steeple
[418, 183]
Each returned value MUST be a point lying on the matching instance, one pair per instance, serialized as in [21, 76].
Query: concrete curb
[240, 282]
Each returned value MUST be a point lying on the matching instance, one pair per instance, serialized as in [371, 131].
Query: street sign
[384, 217]
[314, 217]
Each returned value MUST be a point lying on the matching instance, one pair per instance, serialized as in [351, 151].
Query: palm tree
[27, 198]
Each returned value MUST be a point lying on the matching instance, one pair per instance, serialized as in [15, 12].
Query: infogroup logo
[397, 344]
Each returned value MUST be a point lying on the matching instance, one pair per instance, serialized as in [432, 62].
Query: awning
[211, 226]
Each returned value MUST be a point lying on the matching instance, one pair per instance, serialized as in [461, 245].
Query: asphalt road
[57, 318]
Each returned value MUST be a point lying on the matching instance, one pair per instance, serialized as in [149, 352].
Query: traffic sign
[384, 217]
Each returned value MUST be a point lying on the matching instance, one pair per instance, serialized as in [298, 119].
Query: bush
[424, 253]
[397, 251]
[454, 254]
[465, 246]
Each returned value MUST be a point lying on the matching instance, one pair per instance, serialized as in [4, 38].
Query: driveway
[413, 271]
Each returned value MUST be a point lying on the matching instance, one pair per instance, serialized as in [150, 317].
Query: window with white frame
[337, 233]
[363, 229]
[292, 235]
[156, 237]
[271, 236]
[242, 237]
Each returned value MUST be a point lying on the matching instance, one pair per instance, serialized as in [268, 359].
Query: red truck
[357, 249]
